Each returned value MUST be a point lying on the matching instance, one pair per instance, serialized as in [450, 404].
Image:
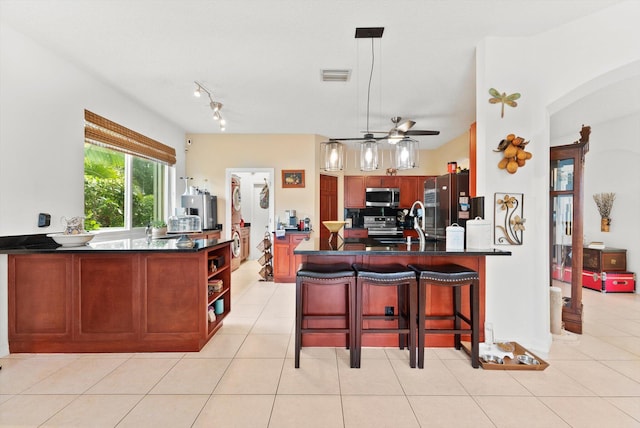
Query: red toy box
[609, 282]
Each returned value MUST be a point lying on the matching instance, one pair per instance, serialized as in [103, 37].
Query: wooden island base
[439, 299]
[97, 300]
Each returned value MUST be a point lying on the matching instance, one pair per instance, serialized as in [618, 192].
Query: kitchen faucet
[420, 229]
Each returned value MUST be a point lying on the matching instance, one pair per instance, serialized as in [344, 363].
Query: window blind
[103, 132]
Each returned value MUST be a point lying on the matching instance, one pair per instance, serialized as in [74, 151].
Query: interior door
[328, 202]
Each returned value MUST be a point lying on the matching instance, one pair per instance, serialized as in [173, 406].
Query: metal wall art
[508, 218]
[503, 98]
[514, 153]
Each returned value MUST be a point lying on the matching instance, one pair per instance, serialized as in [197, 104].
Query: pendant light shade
[369, 155]
[332, 156]
[406, 154]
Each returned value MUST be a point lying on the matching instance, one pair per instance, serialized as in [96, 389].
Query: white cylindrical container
[478, 234]
[455, 237]
[556, 309]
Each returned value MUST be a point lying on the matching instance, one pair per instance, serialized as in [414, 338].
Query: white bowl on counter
[72, 240]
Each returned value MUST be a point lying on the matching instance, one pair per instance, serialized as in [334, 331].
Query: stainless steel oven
[383, 229]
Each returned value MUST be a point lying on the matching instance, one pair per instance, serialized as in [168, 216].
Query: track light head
[214, 105]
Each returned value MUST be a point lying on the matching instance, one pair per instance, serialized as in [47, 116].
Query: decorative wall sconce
[604, 201]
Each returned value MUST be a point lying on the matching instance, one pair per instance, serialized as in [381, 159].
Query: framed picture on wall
[292, 178]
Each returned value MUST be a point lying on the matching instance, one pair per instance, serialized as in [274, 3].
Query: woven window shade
[105, 133]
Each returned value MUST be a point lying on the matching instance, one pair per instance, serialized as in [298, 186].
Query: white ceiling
[262, 59]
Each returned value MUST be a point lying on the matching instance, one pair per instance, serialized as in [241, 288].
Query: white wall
[545, 68]
[42, 136]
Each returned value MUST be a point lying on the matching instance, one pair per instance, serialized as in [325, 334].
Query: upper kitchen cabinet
[411, 190]
[354, 191]
[381, 181]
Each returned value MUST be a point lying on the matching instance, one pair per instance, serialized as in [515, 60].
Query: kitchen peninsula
[372, 252]
[126, 295]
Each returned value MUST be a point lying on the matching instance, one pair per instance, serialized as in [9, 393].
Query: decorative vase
[604, 224]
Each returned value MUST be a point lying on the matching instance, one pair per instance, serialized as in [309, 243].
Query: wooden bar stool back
[456, 276]
[311, 276]
[393, 275]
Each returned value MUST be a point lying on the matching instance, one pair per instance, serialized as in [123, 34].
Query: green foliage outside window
[104, 189]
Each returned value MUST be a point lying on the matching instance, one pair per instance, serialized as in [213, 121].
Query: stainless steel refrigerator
[446, 201]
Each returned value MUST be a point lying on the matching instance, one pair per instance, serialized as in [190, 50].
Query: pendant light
[369, 155]
[406, 154]
[332, 153]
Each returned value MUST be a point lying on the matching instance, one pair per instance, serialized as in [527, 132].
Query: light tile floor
[244, 377]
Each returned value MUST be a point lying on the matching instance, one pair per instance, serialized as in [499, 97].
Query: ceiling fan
[401, 128]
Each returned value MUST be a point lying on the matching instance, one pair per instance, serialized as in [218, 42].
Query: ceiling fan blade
[364, 138]
[405, 126]
[419, 132]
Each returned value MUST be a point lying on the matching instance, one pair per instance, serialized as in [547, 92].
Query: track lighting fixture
[215, 105]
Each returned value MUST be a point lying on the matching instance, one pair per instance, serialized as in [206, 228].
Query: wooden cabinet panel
[285, 263]
[381, 181]
[245, 234]
[408, 191]
[39, 296]
[106, 289]
[172, 282]
[354, 188]
[356, 233]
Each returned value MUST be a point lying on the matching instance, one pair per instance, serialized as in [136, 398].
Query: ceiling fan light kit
[214, 105]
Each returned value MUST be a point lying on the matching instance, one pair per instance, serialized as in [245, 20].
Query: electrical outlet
[388, 311]
[44, 220]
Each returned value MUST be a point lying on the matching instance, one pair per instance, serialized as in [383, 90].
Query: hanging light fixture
[215, 105]
[332, 155]
[406, 154]
[369, 155]
[369, 147]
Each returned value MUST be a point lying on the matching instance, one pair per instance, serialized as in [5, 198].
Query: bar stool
[404, 280]
[314, 275]
[456, 276]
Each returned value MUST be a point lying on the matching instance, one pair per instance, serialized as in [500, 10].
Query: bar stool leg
[298, 322]
[474, 295]
[456, 311]
[413, 309]
[422, 290]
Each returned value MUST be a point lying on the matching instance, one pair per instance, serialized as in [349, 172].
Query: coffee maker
[292, 219]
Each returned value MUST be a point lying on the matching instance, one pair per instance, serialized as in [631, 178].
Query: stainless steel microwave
[382, 197]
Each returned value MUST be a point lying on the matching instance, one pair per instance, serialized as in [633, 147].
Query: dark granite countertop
[362, 246]
[41, 244]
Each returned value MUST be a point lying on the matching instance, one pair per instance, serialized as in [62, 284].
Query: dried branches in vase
[604, 201]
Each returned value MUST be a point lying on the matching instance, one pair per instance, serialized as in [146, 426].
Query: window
[125, 176]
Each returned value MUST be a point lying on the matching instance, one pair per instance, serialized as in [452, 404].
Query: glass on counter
[184, 224]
